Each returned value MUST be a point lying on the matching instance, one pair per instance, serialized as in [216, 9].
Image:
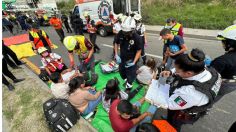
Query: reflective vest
[174, 29]
[210, 88]
[82, 51]
[37, 41]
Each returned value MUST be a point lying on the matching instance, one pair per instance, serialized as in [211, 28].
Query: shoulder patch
[181, 102]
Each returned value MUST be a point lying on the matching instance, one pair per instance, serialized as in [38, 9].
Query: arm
[183, 49]
[93, 97]
[71, 58]
[166, 55]
[140, 118]
[137, 56]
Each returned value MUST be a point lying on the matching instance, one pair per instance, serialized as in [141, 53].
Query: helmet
[70, 42]
[41, 50]
[128, 24]
[228, 33]
[85, 14]
[137, 17]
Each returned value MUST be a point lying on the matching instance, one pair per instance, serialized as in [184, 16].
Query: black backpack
[60, 114]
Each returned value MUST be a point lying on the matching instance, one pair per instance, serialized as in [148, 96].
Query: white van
[100, 10]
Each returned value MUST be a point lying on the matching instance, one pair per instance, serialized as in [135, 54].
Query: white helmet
[137, 17]
[128, 24]
[228, 33]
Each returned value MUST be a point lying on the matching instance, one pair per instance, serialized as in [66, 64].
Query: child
[52, 62]
[146, 72]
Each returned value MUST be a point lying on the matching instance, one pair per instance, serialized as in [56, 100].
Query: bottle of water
[207, 60]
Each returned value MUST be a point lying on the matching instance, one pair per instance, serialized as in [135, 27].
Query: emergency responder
[226, 64]
[39, 38]
[140, 29]
[130, 51]
[84, 48]
[92, 30]
[57, 24]
[64, 19]
[193, 89]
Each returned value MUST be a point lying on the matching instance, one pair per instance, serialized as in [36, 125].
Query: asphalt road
[220, 117]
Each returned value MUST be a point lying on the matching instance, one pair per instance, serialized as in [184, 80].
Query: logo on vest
[104, 10]
[131, 42]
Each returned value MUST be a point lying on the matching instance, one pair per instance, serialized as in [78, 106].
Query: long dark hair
[112, 90]
[75, 83]
[152, 64]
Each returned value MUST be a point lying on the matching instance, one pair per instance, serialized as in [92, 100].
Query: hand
[148, 114]
[35, 51]
[171, 54]
[93, 88]
[165, 74]
[129, 65]
[118, 59]
[86, 61]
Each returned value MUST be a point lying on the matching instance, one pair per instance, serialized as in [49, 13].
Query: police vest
[82, 51]
[37, 40]
[210, 88]
[175, 29]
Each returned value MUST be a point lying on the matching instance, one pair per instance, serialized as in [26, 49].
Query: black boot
[10, 87]
[18, 80]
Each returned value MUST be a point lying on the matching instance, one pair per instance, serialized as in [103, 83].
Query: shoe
[10, 87]
[21, 63]
[18, 80]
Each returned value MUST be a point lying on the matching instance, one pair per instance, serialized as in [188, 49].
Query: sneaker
[18, 80]
[10, 87]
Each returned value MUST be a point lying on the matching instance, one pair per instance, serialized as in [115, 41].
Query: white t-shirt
[60, 90]
[145, 75]
[142, 26]
[107, 104]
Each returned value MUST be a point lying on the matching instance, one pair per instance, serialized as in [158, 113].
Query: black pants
[143, 55]
[68, 27]
[6, 51]
[128, 73]
[6, 72]
[78, 30]
[10, 28]
[60, 32]
[93, 37]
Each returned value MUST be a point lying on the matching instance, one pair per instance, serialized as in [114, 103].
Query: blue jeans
[92, 104]
[152, 109]
[170, 63]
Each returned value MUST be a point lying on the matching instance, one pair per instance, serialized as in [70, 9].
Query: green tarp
[101, 120]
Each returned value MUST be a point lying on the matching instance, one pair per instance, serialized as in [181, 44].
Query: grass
[204, 14]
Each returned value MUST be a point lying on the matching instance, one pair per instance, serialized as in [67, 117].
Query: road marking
[32, 66]
[156, 56]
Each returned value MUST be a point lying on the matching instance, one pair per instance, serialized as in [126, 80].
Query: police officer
[193, 89]
[130, 51]
[140, 29]
[84, 48]
[226, 64]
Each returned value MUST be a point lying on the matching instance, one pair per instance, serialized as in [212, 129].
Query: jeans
[92, 104]
[170, 63]
[152, 109]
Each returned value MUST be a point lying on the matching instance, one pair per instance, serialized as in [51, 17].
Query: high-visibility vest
[37, 42]
[83, 49]
[175, 29]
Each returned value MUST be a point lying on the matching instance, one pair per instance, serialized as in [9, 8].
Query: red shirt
[181, 33]
[117, 122]
[56, 22]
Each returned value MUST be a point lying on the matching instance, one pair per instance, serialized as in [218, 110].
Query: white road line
[156, 56]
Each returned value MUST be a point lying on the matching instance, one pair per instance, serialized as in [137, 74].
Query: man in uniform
[84, 48]
[130, 51]
[57, 24]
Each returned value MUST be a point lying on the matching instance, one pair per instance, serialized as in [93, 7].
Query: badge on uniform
[181, 102]
[131, 42]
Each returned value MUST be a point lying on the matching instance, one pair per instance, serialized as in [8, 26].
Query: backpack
[44, 75]
[60, 114]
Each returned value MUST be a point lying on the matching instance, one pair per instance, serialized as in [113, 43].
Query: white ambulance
[101, 10]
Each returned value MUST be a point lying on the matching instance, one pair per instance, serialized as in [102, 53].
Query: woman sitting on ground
[146, 72]
[112, 92]
[84, 99]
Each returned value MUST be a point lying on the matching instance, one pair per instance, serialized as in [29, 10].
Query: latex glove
[118, 59]
[86, 61]
[129, 65]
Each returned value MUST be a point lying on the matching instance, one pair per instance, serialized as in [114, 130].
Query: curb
[187, 35]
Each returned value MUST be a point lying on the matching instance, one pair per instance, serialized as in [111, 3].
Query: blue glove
[129, 65]
[118, 59]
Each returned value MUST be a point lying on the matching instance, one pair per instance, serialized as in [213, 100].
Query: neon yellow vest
[175, 29]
